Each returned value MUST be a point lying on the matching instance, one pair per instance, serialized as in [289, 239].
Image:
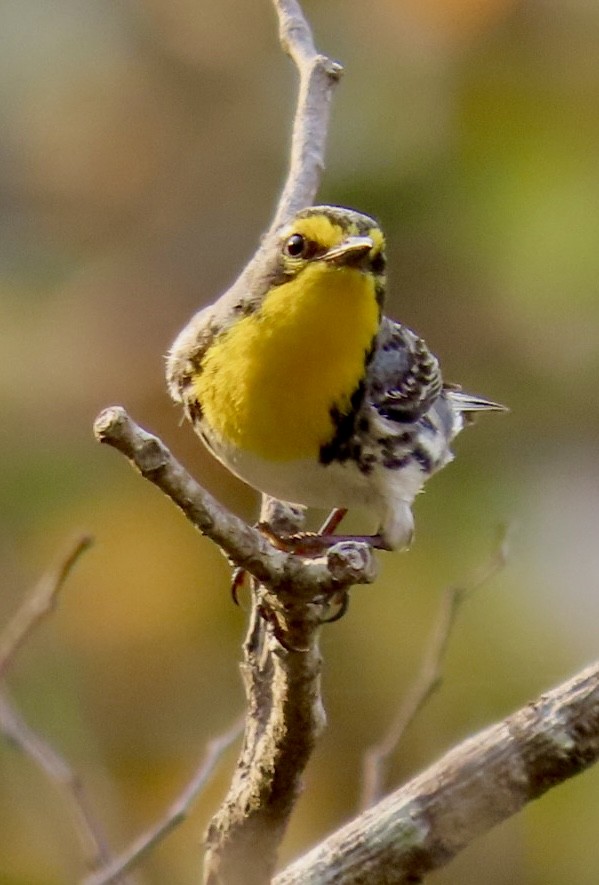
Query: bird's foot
[315, 543]
[312, 544]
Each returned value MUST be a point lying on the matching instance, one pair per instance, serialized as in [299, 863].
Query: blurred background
[142, 148]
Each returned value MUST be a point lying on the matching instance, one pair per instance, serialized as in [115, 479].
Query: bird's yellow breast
[267, 384]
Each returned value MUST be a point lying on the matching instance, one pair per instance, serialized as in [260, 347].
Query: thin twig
[318, 76]
[173, 816]
[40, 602]
[59, 772]
[282, 683]
[281, 667]
[342, 565]
[429, 679]
[37, 606]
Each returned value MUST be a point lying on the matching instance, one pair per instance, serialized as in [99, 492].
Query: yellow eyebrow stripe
[376, 235]
[320, 229]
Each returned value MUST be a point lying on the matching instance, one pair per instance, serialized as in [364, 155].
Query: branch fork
[341, 566]
[425, 823]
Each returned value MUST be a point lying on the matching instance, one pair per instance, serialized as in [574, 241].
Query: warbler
[306, 391]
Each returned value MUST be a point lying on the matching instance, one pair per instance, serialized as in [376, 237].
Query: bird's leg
[341, 601]
[307, 543]
[315, 543]
[332, 521]
[312, 544]
[238, 582]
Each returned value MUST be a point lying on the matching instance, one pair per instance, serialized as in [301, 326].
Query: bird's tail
[466, 402]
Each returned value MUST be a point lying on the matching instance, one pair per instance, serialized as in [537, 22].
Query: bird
[304, 389]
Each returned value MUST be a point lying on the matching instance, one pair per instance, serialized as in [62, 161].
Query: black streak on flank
[342, 446]
[368, 356]
[423, 459]
[395, 463]
[379, 292]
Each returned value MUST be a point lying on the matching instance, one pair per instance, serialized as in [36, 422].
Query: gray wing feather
[404, 378]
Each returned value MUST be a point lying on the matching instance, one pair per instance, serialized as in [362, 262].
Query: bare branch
[420, 827]
[475, 786]
[281, 667]
[342, 565]
[285, 718]
[174, 815]
[39, 603]
[60, 773]
[318, 76]
[282, 685]
[429, 678]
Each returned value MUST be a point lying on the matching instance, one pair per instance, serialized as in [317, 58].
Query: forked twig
[428, 680]
[61, 774]
[428, 821]
[173, 816]
[245, 545]
[281, 667]
[39, 603]
[37, 606]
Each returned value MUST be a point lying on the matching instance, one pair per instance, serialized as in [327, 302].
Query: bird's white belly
[312, 484]
[304, 481]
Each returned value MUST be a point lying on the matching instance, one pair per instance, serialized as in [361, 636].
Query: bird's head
[321, 240]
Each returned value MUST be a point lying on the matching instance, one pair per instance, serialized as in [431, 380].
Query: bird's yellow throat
[268, 383]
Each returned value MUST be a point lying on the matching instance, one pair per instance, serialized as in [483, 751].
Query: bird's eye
[296, 246]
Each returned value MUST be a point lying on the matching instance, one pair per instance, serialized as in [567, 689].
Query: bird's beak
[350, 251]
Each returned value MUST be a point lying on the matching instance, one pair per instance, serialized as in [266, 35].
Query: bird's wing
[404, 378]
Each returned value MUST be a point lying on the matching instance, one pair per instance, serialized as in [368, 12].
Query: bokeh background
[142, 147]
